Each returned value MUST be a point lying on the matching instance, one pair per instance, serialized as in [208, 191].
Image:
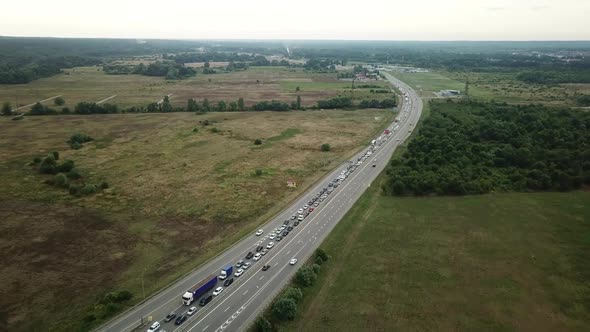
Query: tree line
[471, 147]
[193, 105]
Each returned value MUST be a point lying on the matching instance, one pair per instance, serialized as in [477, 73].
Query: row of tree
[473, 147]
[346, 102]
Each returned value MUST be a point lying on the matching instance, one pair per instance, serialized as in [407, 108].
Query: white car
[272, 236]
[217, 291]
[238, 273]
[264, 251]
[259, 232]
[191, 311]
[257, 256]
[270, 245]
[156, 326]
[300, 218]
[300, 211]
[293, 261]
[246, 265]
[305, 207]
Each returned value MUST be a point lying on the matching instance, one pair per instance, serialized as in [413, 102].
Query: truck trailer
[226, 272]
[199, 289]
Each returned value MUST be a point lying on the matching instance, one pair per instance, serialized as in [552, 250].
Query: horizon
[425, 20]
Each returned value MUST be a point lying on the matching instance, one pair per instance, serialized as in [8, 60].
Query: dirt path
[335, 270]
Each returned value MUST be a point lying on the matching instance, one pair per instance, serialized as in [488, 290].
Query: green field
[505, 262]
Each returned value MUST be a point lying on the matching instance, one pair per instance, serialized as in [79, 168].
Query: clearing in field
[179, 191]
[504, 262]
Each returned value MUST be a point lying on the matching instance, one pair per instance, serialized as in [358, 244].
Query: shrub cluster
[77, 140]
[285, 307]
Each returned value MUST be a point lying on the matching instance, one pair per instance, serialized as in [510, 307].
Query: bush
[74, 174]
[77, 140]
[59, 101]
[326, 147]
[257, 141]
[55, 155]
[88, 189]
[319, 260]
[36, 160]
[214, 130]
[195, 130]
[322, 254]
[293, 293]
[104, 185]
[66, 110]
[316, 268]
[76, 145]
[258, 172]
[66, 166]
[48, 165]
[305, 277]
[263, 325]
[284, 309]
[61, 180]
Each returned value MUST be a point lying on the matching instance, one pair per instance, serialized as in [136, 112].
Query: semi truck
[226, 272]
[199, 289]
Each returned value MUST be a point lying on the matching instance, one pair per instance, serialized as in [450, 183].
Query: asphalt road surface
[240, 303]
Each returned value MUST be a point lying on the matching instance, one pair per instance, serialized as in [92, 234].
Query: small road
[40, 101]
[239, 304]
[106, 99]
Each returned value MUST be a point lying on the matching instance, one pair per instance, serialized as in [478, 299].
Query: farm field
[176, 197]
[502, 262]
[497, 86]
[91, 84]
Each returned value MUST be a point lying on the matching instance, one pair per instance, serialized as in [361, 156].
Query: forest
[471, 147]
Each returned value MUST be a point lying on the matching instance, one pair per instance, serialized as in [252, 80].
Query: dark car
[266, 267]
[169, 317]
[286, 222]
[228, 282]
[330, 184]
[180, 319]
[278, 238]
[296, 223]
[285, 233]
[293, 217]
[290, 228]
[259, 248]
[205, 300]
[249, 255]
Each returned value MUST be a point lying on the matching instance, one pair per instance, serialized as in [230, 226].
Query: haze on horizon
[302, 19]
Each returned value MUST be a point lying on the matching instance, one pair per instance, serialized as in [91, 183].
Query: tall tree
[59, 101]
[166, 106]
[298, 103]
[241, 104]
[191, 105]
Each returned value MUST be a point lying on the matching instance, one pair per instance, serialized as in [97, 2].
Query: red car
[310, 210]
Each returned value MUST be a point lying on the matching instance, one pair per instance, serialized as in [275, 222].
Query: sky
[301, 19]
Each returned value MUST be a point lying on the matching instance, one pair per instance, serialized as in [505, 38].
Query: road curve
[239, 304]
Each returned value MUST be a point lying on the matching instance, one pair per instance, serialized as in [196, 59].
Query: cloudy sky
[300, 19]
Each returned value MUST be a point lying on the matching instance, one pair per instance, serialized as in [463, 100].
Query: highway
[240, 303]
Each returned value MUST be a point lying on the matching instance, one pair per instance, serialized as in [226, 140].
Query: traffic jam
[213, 286]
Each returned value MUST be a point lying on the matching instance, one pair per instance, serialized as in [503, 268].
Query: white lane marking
[246, 292]
[205, 327]
[226, 309]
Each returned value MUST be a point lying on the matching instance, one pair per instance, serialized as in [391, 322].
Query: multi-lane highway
[240, 303]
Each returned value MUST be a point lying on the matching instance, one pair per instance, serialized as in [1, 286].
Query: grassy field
[166, 210]
[505, 262]
[497, 86]
[91, 84]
